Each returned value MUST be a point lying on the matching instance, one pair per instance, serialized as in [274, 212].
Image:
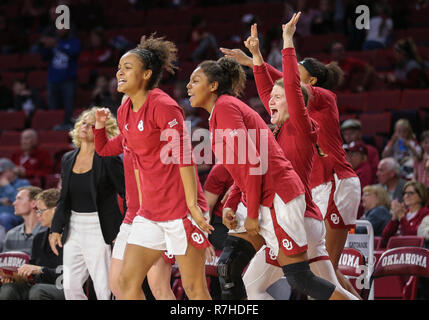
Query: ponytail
[328, 76]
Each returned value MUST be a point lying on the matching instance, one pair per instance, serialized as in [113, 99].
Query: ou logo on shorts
[198, 238]
[169, 255]
[272, 255]
[287, 244]
[334, 218]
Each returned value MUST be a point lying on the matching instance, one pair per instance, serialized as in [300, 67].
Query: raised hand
[252, 42]
[238, 55]
[101, 116]
[289, 30]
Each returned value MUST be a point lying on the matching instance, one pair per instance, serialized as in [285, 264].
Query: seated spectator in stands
[403, 147]
[6, 101]
[203, 44]
[62, 50]
[105, 94]
[275, 55]
[376, 203]
[2, 236]
[303, 28]
[410, 67]
[407, 216]
[217, 184]
[351, 130]
[25, 98]
[33, 162]
[9, 186]
[357, 155]
[20, 238]
[389, 175]
[323, 22]
[421, 164]
[98, 52]
[357, 73]
[44, 266]
[380, 29]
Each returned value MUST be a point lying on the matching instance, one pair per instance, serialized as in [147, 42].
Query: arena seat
[383, 100]
[405, 241]
[403, 266]
[51, 136]
[377, 243]
[375, 123]
[47, 119]
[10, 138]
[8, 78]
[10, 261]
[37, 79]
[8, 151]
[13, 120]
[351, 102]
[415, 99]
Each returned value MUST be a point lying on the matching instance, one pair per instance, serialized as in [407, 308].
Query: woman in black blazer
[87, 217]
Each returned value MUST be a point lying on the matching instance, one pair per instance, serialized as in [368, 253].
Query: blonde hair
[111, 125]
[406, 123]
[380, 193]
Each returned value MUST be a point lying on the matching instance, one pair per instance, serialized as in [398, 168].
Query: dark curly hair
[156, 54]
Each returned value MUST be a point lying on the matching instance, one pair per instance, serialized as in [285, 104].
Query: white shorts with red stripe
[172, 235]
[282, 226]
[121, 243]
[344, 203]
[321, 195]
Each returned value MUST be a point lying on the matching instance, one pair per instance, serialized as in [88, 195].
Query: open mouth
[274, 112]
[121, 81]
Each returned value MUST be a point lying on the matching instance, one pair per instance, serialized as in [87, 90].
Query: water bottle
[401, 145]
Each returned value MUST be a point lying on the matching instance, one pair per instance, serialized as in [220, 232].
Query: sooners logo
[334, 218]
[140, 125]
[272, 256]
[198, 238]
[287, 244]
[169, 255]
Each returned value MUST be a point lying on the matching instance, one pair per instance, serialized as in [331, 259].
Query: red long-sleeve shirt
[322, 107]
[37, 164]
[115, 146]
[299, 134]
[218, 182]
[407, 227]
[159, 145]
[247, 148]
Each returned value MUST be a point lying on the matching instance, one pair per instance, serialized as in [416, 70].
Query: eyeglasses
[408, 193]
[39, 212]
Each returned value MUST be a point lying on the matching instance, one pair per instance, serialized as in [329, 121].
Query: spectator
[357, 73]
[25, 98]
[380, 29]
[351, 130]
[407, 216]
[403, 147]
[201, 41]
[87, 217]
[9, 185]
[303, 28]
[98, 53]
[323, 22]
[420, 165]
[2, 236]
[62, 51]
[388, 174]
[410, 67]
[20, 238]
[275, 57]
[357, 155]
[43, 265]
[33, 162]
[6, 101]
[376, 202]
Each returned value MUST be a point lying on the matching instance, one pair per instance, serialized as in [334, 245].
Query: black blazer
[108, 182]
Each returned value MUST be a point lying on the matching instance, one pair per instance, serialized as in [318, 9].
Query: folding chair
[10, 261]
[351, 265]
[410, 262]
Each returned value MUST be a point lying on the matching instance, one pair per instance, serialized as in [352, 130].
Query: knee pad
[306, 282]
[235, 256]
